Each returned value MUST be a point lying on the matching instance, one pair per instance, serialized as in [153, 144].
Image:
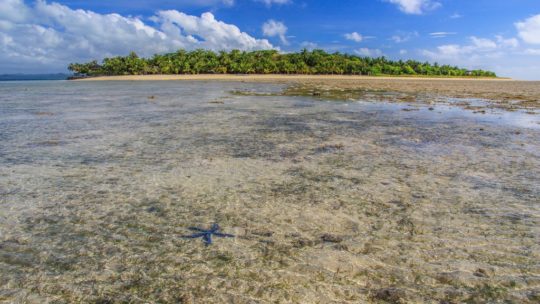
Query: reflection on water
[330, 201]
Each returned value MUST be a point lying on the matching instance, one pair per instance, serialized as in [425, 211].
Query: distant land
[21, 77]
[315, 62]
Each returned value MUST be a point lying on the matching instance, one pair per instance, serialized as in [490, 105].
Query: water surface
[350, 201]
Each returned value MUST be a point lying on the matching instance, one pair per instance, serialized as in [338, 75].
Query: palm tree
[264, 62]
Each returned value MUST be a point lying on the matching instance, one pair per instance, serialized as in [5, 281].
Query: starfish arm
[198, 229]
[207, 239]
[215, 228]
[194, 236]
[223, 234]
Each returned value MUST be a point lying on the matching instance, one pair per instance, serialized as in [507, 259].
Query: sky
[499, 35]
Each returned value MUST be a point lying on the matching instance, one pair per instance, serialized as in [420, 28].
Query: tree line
[265, 62]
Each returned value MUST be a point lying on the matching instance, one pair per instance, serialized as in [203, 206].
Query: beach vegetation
[315, 62]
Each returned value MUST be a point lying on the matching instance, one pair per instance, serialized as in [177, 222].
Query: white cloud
[139, 4]
[502, 55]
[510, 42]
[404, 37]
[366, 52]
[416, 7]
[456, 16]
[478, 47]
[532, 52]
[482, 43]
[215, 34]
[272, 28]
[441, 34]
[197, 3]
[13, 10]
[354, 36]
[399, 39]
[403, 52]
[47, 36]
[308, 45]
[270, 2]
[529, 29]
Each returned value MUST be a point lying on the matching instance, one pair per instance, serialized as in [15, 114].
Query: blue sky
[500, 35]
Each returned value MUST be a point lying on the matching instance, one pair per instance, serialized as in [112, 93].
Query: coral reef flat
[335, 192]
[501, 92]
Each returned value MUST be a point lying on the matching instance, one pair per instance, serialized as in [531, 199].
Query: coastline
[502, 93]
[274, 77]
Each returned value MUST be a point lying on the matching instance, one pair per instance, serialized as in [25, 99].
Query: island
[305, 62]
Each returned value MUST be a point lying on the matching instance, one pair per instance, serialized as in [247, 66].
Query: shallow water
[330, 201]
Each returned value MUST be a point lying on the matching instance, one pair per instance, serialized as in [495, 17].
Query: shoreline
[276, 77]
[503, 93]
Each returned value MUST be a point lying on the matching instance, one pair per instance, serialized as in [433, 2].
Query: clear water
[98, 181]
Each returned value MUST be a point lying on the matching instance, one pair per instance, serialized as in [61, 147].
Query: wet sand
[332, 200]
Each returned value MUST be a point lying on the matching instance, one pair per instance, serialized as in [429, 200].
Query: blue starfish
[206, 234]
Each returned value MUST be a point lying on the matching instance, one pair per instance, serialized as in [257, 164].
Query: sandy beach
[273, 78]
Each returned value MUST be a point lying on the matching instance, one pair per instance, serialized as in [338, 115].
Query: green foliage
[265, 62]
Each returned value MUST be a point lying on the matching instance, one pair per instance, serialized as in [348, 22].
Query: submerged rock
[391, 295]
[331, 238]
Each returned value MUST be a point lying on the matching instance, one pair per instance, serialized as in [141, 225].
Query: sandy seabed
[335, 194]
